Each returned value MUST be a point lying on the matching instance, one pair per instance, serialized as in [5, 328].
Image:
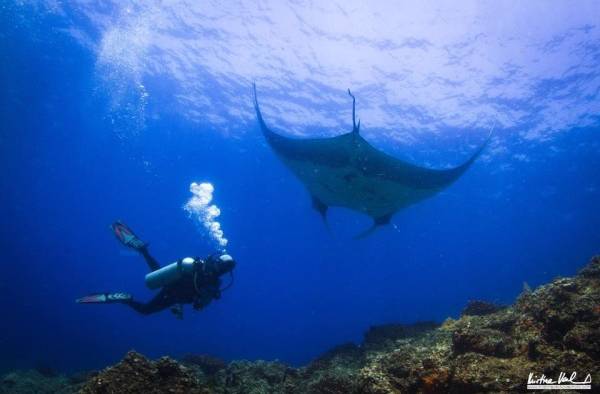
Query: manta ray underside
[346, 171]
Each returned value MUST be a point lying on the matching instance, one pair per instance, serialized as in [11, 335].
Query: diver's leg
[160, 302]
[151, 261]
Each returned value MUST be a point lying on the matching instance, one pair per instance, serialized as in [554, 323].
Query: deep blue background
[66, 175]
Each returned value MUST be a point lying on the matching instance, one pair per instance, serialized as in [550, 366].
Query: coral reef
[207, 364]
[136, 374]
[382, 337]
[554, 329]
[480, 308]
[245, 377]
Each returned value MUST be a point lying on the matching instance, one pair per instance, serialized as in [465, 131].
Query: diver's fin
[380, 221]
[105, 298]
[127, 237]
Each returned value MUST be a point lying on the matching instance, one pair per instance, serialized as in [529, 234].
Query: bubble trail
[199, 207]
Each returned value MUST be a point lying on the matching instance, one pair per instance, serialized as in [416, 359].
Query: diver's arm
[205, 296]
[201, 302]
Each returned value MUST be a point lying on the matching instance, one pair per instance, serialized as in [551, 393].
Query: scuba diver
[186, 281]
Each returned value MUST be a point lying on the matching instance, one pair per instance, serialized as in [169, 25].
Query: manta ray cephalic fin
[322, 208]
[377, 222]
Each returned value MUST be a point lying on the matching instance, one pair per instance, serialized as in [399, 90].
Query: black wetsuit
[198, 288]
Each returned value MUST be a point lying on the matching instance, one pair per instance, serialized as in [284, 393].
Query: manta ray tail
[355, 128]
[377, 222]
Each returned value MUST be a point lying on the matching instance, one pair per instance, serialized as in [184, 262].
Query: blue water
[102, 120]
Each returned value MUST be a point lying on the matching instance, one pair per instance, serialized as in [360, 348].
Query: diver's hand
[177, 310]
[205, 299]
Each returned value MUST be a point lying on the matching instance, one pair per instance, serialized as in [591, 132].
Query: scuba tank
[170, 273]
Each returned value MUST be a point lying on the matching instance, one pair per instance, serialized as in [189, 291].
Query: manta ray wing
[346, 171]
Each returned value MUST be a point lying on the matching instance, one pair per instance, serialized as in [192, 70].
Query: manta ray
[347, 171]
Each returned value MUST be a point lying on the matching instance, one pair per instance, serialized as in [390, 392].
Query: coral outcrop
[480, 308]
[554, 329]
[136, 374]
